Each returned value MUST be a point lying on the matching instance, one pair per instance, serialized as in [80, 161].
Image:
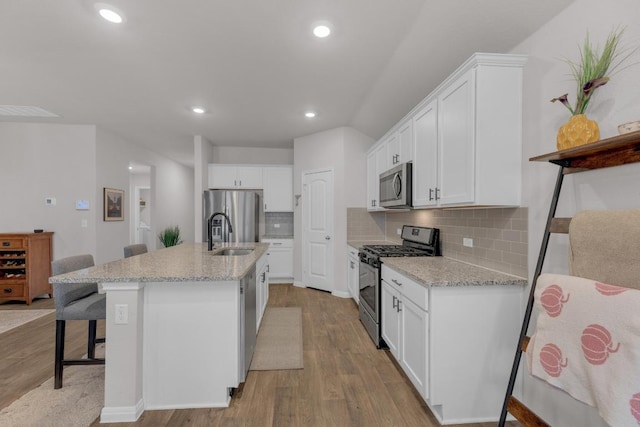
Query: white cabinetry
[280, 260]
[405, 326]
[448, 338]
[234, 176]
[262, 288]
[278, 188]
[425, 171]
[353, 273]
[475, 156]
[400, 145]
[376, 164]
[465, 138]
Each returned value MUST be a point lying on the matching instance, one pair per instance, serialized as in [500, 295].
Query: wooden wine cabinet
[25, 265]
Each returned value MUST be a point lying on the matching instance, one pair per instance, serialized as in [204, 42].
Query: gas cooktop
[394, 250]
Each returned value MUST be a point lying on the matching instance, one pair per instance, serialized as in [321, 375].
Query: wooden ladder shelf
[615, 151]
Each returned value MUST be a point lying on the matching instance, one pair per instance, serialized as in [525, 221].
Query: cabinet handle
[276, 243]
[265, 206]
[240, 183]
[235, 183]
[399, 309]
[396, 282]
[352, 265]
[437, 193]
[394, 301]
[430, 194]
[7, 290]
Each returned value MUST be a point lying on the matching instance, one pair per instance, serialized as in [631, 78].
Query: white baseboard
[299, 284]
[122, 414]
[341, 294]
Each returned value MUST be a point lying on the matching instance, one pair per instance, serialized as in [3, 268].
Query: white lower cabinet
[454, 343]
[262, 288]
[280, 260]
[353, 273]
[405, 327]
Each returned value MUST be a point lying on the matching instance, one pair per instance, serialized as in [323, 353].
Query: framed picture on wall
[113, 204]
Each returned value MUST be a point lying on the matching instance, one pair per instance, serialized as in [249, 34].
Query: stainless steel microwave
[395, 187]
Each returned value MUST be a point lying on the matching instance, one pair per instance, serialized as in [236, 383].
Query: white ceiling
[252, 63]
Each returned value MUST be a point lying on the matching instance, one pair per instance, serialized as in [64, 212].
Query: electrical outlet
[122, 314]
[84, 223]
[50, 201]
[467, 242]
[276, 225]
[399, 231]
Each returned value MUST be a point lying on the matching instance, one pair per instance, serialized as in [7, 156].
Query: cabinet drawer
[11, 244]
[11, 290]
[412, 290]
[279, 243]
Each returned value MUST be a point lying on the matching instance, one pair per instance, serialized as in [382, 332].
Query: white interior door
[317, 228]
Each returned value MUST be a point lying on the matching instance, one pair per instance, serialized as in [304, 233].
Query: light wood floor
[345, 380]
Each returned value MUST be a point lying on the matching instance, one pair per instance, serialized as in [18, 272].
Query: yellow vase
[577, 131]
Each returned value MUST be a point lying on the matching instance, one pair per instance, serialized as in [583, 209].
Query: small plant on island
[170, 236]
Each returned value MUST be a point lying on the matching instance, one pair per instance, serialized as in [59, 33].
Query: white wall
[356, 143]
[338, 149]
[43, 160]
[75, 162]
[203, 154]
[252, 155]
[547, 76]
[171, 193]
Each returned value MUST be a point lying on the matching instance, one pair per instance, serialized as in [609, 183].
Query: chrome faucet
[210, 226]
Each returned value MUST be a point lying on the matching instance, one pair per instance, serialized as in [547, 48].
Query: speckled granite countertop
[441, 271]
[182, 263]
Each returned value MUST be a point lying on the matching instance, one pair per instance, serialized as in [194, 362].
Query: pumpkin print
[609, 290]
[552, 299]
[634, 403]
[597, 344]
[551, 360]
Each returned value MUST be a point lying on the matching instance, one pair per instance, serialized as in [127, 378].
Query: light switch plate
[82, 205]
[50, 201]
[467, 242]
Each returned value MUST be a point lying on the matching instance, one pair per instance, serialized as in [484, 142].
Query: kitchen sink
[234, 251]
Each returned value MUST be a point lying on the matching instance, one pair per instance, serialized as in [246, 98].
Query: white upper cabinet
[235, 177]
[456, 165]
[425, 165]
[405, 142]
[278, 188]
[376, 164]
[466, 136]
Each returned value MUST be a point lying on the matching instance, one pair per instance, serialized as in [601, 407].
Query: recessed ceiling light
[198, 110]
[109, 13]
[309, 114]
[130, 167]
[321, 31]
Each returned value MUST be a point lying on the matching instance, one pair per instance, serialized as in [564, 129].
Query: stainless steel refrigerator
[244, 210]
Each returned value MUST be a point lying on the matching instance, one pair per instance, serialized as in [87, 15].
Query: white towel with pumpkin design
[587, 343]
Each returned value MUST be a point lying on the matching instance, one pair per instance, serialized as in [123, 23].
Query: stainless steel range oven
[416, 241]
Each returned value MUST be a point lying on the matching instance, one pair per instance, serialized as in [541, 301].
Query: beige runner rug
[10, 319]
[279, 342]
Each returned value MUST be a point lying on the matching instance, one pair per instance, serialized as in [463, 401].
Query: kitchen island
[175, 327]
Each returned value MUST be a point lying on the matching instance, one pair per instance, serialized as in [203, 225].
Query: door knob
[327, 238]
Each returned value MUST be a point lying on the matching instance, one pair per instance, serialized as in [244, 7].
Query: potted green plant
[591, 72]
[170, 236]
